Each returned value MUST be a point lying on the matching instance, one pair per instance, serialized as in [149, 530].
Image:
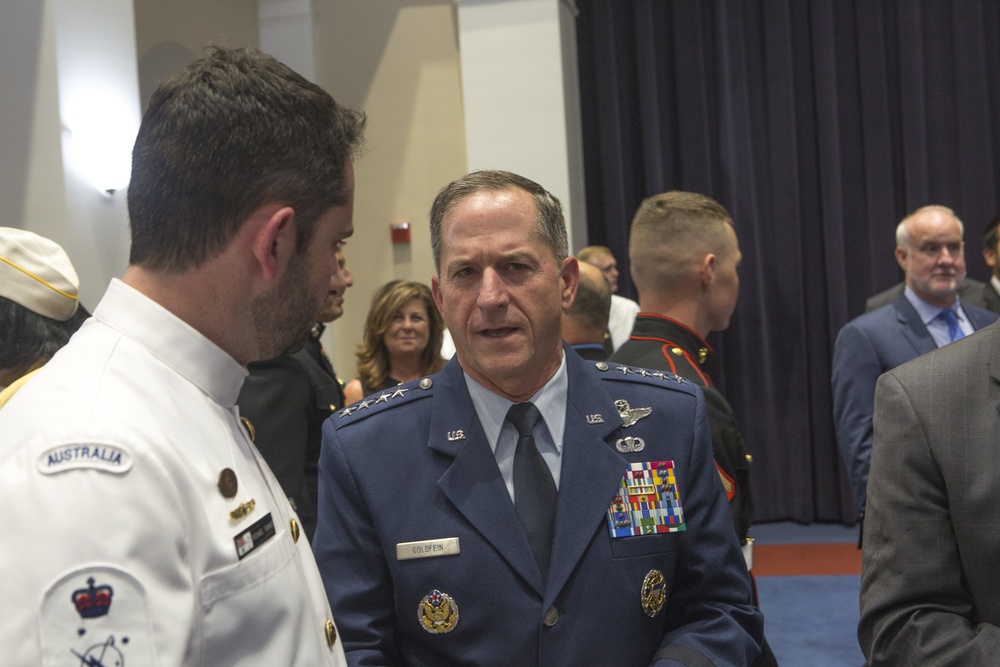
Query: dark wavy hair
[27, 337]
[231, 132]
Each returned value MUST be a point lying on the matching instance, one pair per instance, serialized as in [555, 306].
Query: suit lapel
[591, 472]
[473, 482]
[994, 338]
[912, 328]
[991, 298]
[977, 317]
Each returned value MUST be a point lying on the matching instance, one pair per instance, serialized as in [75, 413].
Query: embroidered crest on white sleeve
[96, 615]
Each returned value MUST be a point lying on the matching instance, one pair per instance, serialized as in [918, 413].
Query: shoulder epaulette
[613, 371]
[402, 394]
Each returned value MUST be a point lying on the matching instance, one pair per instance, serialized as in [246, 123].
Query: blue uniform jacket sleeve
[354, 563]
[711, 620]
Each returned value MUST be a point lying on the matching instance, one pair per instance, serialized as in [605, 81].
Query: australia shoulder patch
[114, 459]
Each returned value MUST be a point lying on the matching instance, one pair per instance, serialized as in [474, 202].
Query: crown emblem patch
[93, 601]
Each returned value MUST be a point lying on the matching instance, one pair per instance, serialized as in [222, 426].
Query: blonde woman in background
[402, 340]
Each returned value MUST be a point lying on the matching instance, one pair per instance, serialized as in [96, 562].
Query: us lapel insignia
[654, 593]
[456, 435]
[647, 501]
[595, 419]
[630, 415]
[437, 613]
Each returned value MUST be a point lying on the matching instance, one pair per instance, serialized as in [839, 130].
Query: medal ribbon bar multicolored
[648, 501]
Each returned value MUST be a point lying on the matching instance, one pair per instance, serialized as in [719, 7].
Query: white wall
[65, 68]
[398, 60]
[521, 95]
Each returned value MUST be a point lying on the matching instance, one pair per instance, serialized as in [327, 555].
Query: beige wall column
[522, 98]
[398, 61]
[286, 32]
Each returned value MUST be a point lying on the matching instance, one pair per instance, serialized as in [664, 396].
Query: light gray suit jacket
[930, 591]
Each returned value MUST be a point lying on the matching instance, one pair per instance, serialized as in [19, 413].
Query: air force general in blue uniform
[420, 545]
[414, 475]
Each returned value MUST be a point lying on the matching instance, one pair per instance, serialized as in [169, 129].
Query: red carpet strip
[805, 559]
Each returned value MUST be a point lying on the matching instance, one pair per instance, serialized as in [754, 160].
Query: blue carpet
[788, 532]
[810, 621]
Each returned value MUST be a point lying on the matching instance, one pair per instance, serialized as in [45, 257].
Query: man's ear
[275, 240]
[901, 258]
[989, 257]
[570, 279]
[436, 292]
[707, 270]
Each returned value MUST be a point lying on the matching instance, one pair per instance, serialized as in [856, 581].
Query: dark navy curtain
[819, 124]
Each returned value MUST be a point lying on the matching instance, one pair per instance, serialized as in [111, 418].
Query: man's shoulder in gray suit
[953, 361]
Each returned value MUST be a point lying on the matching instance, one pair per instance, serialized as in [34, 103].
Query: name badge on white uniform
[446, 546]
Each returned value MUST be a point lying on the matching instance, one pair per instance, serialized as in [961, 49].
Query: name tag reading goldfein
[447, 546]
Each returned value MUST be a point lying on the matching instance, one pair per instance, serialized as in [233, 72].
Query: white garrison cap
[37, 274]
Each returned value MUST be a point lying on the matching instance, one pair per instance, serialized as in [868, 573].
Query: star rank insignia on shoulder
[383, 400]
[613, 371]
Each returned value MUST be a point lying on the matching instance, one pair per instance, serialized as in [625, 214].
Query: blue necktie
[954, 331]
[534, 489]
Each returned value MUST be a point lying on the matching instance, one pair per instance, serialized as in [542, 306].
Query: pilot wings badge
[630, 415]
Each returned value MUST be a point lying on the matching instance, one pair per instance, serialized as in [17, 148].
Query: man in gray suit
[930, 594]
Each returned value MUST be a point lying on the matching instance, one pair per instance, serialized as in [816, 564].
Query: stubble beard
[283, 318]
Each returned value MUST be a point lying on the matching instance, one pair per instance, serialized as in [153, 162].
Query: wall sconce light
[102, 134]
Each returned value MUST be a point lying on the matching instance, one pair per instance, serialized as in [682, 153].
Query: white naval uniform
[118, 546]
